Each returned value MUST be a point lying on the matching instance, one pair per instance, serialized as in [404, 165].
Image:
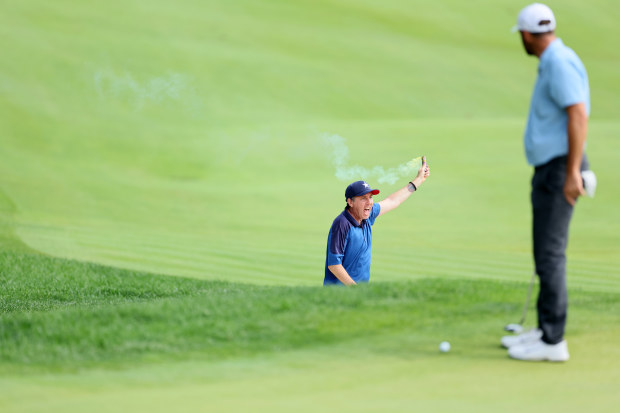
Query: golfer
[554, 139]
[350, 236]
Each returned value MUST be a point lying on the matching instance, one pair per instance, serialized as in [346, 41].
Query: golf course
[169, 172]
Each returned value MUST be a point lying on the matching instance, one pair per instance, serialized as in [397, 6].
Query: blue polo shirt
[562, 81]
[349, 244]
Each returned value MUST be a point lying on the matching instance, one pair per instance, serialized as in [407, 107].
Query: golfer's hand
[423, 172]
[573, 187]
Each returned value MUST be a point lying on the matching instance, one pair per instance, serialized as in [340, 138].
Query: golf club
[518, 327]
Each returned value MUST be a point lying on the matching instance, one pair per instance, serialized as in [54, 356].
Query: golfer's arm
[398, 197]
[342, 274]
[577, 132]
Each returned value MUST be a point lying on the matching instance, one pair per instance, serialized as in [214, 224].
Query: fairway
[167, 184]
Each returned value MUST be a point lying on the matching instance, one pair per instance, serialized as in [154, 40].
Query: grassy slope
[85, 337]
[183, 140]
[51, 307]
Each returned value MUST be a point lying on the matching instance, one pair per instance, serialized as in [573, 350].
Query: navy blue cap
[359, 188]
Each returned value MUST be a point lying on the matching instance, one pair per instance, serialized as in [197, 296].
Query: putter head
[514, 328]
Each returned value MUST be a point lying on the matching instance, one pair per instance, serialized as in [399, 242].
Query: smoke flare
[339, 156]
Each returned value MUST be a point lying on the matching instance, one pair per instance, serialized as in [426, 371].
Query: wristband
[415, 188]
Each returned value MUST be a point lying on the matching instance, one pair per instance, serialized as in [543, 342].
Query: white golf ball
[444, 347]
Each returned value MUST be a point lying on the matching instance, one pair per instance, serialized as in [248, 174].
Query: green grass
[69, 328]
[59, 314]
[185, 140]
[165, 198]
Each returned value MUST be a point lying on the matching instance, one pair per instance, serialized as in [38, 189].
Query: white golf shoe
[523, 338]
[540, 351]
[589, 182]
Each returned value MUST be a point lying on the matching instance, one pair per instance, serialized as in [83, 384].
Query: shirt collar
[352, 220]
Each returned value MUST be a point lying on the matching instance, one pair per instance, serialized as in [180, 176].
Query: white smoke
[339, 156]
[172, 87]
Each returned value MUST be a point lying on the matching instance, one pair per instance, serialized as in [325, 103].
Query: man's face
[527, 38]
[360, 206]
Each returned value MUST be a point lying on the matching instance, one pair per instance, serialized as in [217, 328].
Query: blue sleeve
[376, 210]
[567, 84]
[337, 242]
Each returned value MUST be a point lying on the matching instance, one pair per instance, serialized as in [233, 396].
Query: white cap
[535, 18]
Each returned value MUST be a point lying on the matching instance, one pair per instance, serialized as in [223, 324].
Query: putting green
[466, 379]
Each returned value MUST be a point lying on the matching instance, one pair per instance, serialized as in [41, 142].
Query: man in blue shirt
[554, 141]
[350, 236]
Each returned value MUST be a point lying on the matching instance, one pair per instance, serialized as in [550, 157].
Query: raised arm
[398, 197]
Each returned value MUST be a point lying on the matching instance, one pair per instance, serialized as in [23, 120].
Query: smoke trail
[173, 87]
[339, 156]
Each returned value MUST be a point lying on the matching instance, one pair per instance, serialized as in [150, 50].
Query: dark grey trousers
[551, 219]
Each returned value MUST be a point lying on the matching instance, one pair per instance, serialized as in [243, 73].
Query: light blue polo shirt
[349, 244]
[562, 81]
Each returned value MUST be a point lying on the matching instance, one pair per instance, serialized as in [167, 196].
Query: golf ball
[444, 347]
